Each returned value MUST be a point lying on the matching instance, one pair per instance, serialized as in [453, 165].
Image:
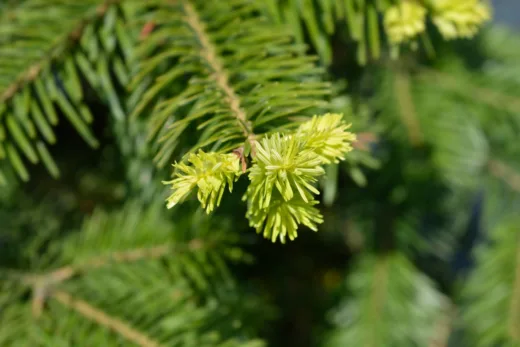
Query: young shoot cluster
[209, 173]
[283, 176]
[454, 19]
[403, 22]
[459, 18]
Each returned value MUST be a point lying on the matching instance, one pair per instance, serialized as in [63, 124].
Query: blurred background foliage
[420, 241]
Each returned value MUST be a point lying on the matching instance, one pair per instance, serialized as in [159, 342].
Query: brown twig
[84, 308]
[69, 271]
[33, 71]
[41, 283]
[209, 54]
[133, 255]
[364, 140]
[239, 152]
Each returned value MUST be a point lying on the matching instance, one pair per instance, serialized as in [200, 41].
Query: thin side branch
[103, 319]
[133, 255]
[209, 54]
[67, 272]
[33, 71]
[41, 283]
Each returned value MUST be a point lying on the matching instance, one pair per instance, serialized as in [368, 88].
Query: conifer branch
[66, 272]
[497, 267]
[32, 71]
[368, 317]
[45, 58]
[490, 97]
[40, 283]
[233, 79]
[209, 54]
[159, 293]
[85, 309]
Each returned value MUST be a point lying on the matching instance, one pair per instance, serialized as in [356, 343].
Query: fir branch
[460, 147]
[389, 303]
[54, 51]
[233, 77]
[493, 288]
[168, 298]
[45, 58]
[103, 319]
[208, 52]
[468, 89]
[42, 283]
[128, 256]
[404, 23]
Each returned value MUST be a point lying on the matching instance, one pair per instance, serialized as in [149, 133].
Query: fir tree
[203, 173]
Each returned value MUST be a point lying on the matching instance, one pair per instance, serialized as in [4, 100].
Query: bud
[404, 21]
[459, 18]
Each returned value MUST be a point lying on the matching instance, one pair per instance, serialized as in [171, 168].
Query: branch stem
[66, 272]
[41, 283]
[90, 312]
[209, 53]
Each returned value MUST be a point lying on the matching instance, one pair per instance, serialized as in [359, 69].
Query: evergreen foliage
[389, 126]
[404, 22]
[387, 287]
[130, 277]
